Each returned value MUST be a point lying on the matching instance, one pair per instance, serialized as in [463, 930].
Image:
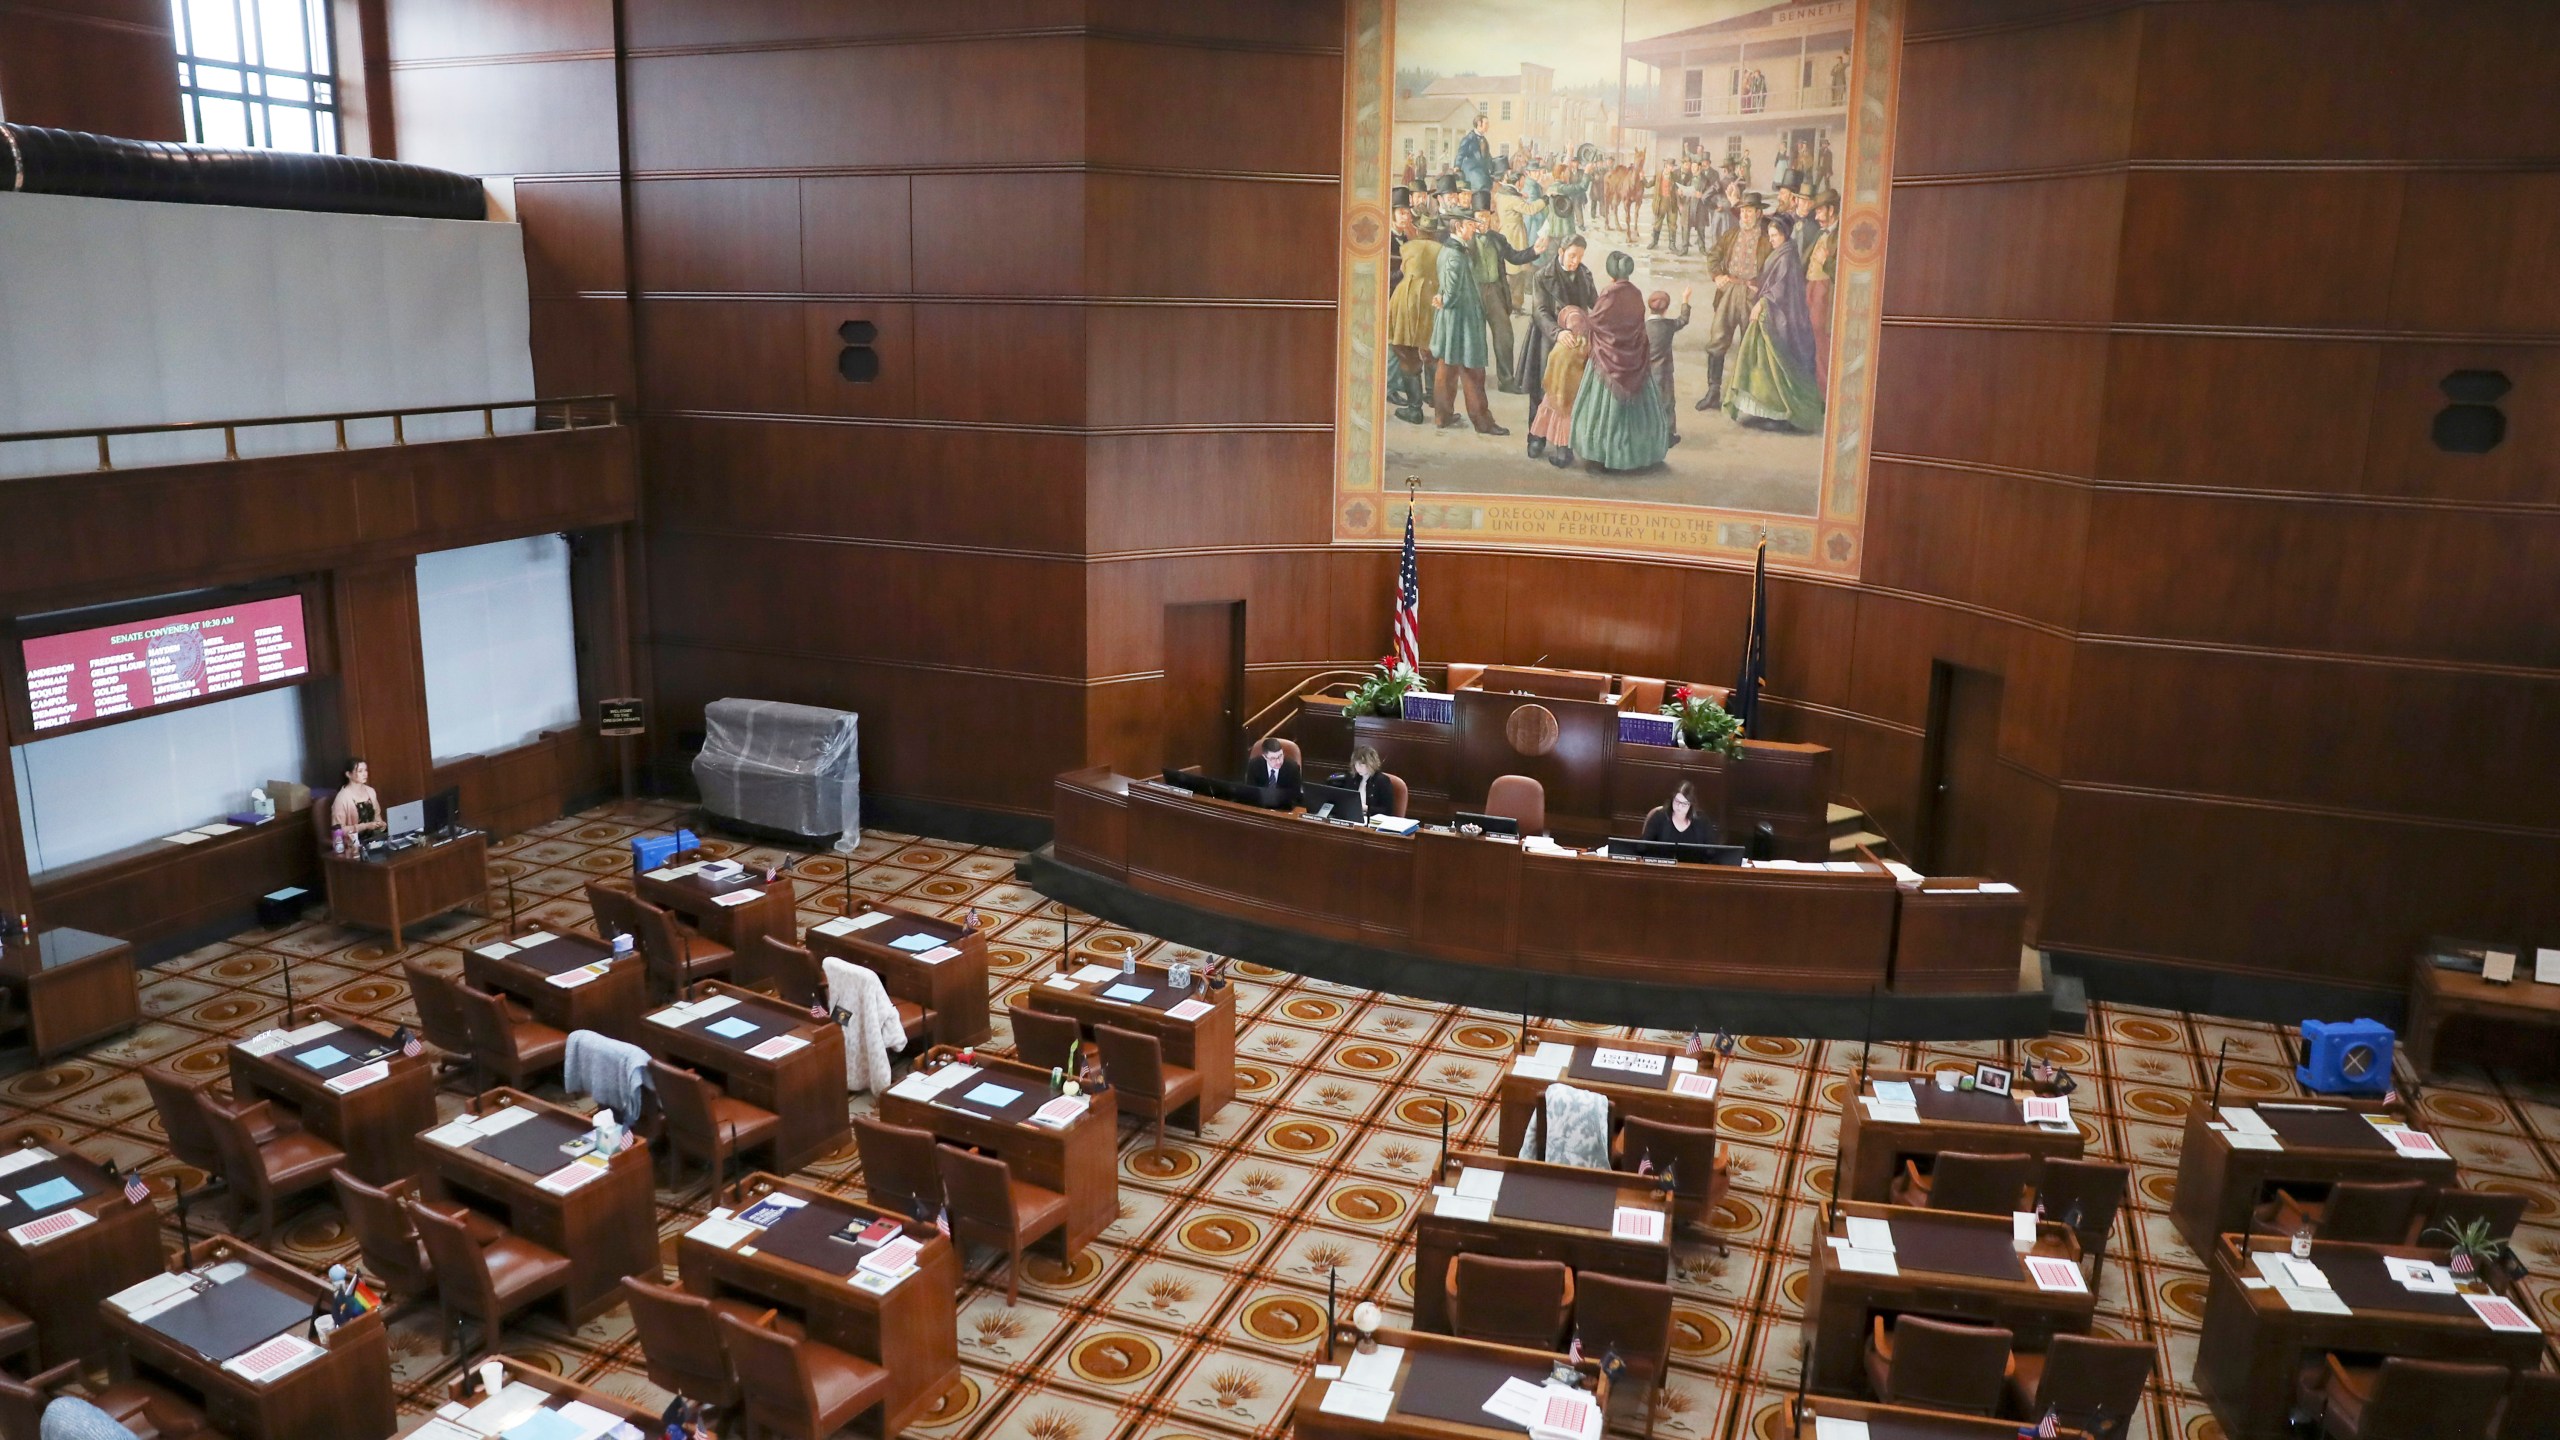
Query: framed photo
[1990, 1078]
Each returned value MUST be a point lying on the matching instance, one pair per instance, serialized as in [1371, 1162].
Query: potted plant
[2475, 1245]
[1383, 692]
[1704, 724]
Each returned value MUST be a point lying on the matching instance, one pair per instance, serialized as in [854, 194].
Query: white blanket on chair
[1576, 1128]
[871, 1028]
[615, 1072]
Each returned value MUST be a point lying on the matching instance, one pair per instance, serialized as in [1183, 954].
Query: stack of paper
[60, 1222]
[895, 1258]
[2053, 1273]
[1128, 994]
[1890, 1112]
[1061, 1112]
[736, 897]
[672, 872]
[1448, 1204]
[1631, 1223]
[360, 1077]
[503, 1119]
[938, 954]
[2499, 1313]
[1633, 1062]
[2046, 1110]
[152, 1296]
[927, 1085]
[1191, 1009]
[500, 1412]
[2248, 1130]
[22, 1157]
[722, 1229]
[1091, 973]
[1358, 1402]
[578, 1172]
[2412, 1144]
[1568, 1415]
[1395, 824]
[777, 1047]
[1894, 1092]
[496, 949]
[1517, 1401]
[572, 979]
[1375, 1370]
[1868, 1247]
[1826, 1427]
[266, 1362]
[2299, 1283]
[1480, 1184]
[1694, 1085]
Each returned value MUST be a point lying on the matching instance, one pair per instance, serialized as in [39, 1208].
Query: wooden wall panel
[2328, 87]
[2171, 398]
[686, 24]
[717, 234]
[1226, 487]
[857, 234]
[572, 237]
[2257, 247]
[1002, 364]
[999, 234]
[1238, 239]
[1197, 365]
[1993, 273]
[2475, 254]
[1211, 109]
[749, 356]
[988, 489]
[105, 66]
[517, 116]
[2401, 458]
[1964, 100]
[2021, 399]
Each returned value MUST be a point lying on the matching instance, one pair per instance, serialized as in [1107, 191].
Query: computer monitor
[1334, 802]
[1489, 824]
[1622, 849]
[407, 819]
[444, 809]
[1713, 854]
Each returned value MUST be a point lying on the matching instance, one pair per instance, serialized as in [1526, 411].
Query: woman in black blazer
[1377, 796]
[1681, 821]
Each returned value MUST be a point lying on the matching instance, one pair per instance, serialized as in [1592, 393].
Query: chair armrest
[55, 1378]
[1882, 1339]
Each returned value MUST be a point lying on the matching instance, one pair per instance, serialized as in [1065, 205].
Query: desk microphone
[511, 904]
[186, 1238]
[2215, 1104]
[287, 958]
[1867, 1044]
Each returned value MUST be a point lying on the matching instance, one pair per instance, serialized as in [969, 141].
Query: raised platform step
[1836, 813]
[1843, 844]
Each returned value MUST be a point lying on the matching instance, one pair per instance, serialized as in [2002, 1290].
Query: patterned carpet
[1197, 1313]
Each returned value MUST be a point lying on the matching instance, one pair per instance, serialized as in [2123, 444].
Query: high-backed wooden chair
[1962, 1180]
[1149, 1087]
[1041, 1039]
[1700, 1174]
[990, 1207]
[1509, 1302]
[266, 1156]
[611, 902]
[510, 1045]
[191, 1136]
[388, 1239]
[703, 1121]
[783, 970]
[2097, 1188]
[2403, 1399]
[2090, 1382]
[2454, 1206]
[1937, 1364]
[443, 1021]
[1399, 794]
[677, 954]
[1520, 798]
[486, 1282]
[899, 1167]
[2533, 1406]
[802, 1388]
[680, 1339]
[1634, 1316]
[2366, 1212]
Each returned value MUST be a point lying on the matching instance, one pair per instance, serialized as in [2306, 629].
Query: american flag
[942, 1222]
[1408, 601]
[410, 1045]
[135, 1189]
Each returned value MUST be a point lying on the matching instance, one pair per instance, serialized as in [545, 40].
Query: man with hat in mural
[1409, 314]
[1733, 267]
[1494, 255]
[1458, 330]
[1475, 163]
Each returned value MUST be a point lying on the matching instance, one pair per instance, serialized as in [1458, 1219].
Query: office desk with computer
[425, 864]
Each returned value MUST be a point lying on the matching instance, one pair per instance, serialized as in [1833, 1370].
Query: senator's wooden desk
[407, 886]
[1441, 1385]
[1630, 1092]
[344, 1391]
[1206, 1044]
[464, 1390]
[805, 1088]
[2250, 1355]
[1901, 1422]
[609, 1004]
[913, 1331]
[2219, 1185]
[1483, 900]
[58, 1282]
[954, 989]
[1973, 1121]
[2438, 996]
[1955, 937]
[608, 1227]
[1954, 1266]
[74, 986]
[377, 1124]
[1563, 1213]
[738, 925]
[1079, 1161]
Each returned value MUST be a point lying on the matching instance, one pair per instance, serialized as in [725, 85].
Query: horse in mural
[1622, 193]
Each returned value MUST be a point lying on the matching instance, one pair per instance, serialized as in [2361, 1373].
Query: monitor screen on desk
[1489, 824]
[1673, 850]
[443, 810]
[408, 819]
[1334, 802]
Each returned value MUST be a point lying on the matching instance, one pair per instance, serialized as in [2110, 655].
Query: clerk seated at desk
[1681, 821]
[1377, 791]
[358, 810]
[1273, 768]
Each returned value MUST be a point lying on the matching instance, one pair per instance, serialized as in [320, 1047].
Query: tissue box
[289, 795]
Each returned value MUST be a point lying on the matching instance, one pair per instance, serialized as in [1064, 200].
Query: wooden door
[1204, 686]
[1960, 770]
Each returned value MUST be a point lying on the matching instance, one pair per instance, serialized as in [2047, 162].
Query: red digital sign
[135, 668]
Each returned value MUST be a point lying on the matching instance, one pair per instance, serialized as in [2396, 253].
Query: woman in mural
[1771, 382]
[1620, 421]
[1553, 426]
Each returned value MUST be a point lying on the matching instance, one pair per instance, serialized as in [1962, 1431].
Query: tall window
[257, 73]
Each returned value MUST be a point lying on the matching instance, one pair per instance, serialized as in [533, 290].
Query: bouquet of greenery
[1704, 724]
[1383, 692]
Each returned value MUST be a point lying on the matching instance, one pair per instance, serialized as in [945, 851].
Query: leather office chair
[1399, 795]
[677, 954]
[1936, 1365]
[2098, 1188]
[2412, 1400]
[680, 1342]
[1462, 675]
[611, 902]
[1521, 798]
[489, 1282]
[990, 1207]
[2533, 1406]
[1634, 1316]
[1288, 747]
[899, 1168]
[1149, 1086]
[1961, 1180]
[182, 1115]
[443, 1021]
[914, 1008]
[1700, 1176]
[703, 1121]
[1041, 1039]
[2365, 1212]
[1509, 1302]
[267, 1157]
[2454, 1206]
[783, 970]
[2082, 1378]
[801, 1388]
[389, 1241]
[513, 1047]
[1639, 695]
[17, 1333]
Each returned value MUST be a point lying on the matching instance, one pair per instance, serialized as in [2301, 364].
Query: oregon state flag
[1755, 648]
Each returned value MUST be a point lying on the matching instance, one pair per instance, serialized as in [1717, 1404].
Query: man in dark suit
[1273, 770]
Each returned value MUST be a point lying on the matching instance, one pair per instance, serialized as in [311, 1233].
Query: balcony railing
[1778, 100]
[94, 448]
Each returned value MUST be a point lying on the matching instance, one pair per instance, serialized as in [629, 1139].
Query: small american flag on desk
[136, 1189]
[1408, 596]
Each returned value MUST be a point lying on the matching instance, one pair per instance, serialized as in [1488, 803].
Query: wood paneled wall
[106, 66]
[2169, 291]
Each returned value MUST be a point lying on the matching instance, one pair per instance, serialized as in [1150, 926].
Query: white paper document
[1449, 1205]
[495, 950]
[1090, 973]
[456, 1133]
[1375, 1370]
[501, 1121]
[1479, 1184]
[1885, 1112]
[992, 1096]
[1631, 1223]
[1863, 1262]
[721, 1229]
[1826, 1427]
[1530, 1069]
[1867, 1234]
[1552, 1052]
[1896, 1092]
[2245, 1121]
[2546, 966]
[2499, 1313]
[22, 1157]
[1633, 1062]
[2052, 1273]
[1517, 1401]
[2498, 967]
[2244, 1140]
[1356, 1401]
[2423, 1276]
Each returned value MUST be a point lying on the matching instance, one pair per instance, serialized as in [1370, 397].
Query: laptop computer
[407, 820]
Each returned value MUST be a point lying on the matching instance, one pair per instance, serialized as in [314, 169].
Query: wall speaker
[2473, 424]
[859, 364]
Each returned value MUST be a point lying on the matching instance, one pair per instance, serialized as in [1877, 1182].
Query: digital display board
[145, 665]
